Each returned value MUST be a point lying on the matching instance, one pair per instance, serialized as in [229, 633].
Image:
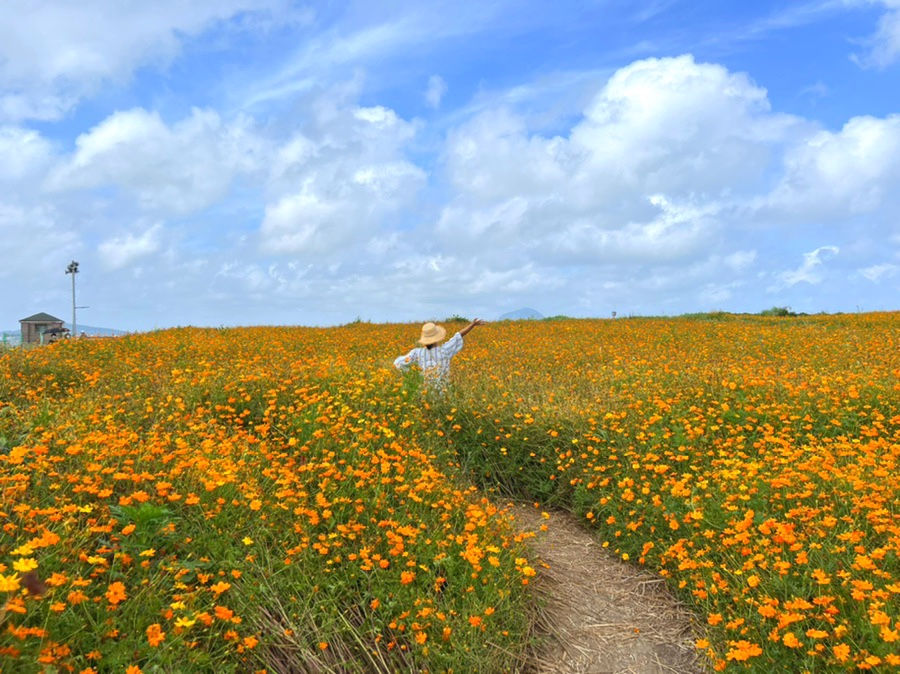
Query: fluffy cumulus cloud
[337, 186]
[645, 178]
[830, 175]
[118, 251]
[173, 169]
[54, 52]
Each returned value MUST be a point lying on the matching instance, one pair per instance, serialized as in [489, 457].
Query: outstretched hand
[468, 328]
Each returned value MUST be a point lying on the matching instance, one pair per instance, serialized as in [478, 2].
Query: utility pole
[73, 269]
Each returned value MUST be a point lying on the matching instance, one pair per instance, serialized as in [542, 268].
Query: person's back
[433, 358]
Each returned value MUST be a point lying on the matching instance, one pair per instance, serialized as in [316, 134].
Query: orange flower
[220, 587]
[841, 652]
[116, 593]
[743, 650]
[223, 613]
[790, 640]
[155, 635]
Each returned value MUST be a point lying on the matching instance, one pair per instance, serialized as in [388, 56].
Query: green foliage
[777, 311]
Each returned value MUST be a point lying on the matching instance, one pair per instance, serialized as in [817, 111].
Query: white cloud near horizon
[811, 271]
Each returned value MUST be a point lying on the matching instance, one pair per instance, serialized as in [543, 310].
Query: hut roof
[41, 318]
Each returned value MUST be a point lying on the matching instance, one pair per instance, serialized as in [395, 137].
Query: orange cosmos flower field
[265, 499]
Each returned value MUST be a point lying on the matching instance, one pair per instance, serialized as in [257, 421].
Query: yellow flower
[9, 583]
[25, 565]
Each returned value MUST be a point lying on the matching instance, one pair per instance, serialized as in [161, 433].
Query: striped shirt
[434, 362]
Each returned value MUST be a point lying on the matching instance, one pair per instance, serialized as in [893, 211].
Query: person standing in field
[433, 358]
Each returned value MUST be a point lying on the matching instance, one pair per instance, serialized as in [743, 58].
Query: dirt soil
[598, 614]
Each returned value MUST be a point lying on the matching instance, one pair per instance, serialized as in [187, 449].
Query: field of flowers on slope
[751, 461]
[242, 500]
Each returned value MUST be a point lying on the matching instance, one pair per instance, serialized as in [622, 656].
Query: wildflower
[223, 613]
[743, 650]
[9, 583]
[220, 587]
[116, 593]
[25, 565]
[155, 635]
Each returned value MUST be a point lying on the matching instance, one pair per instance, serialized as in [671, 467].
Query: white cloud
[811, 271]
[25, 154]
[337, 185]
[883, 47]
[32, 242]
[437, 87]
[642, 176]
[880, 271]
[178, 169]
[54, 52]
[741, 260]
[119, 251]
[831, 175]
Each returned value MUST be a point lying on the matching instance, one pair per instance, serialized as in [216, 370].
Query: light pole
[73, 269]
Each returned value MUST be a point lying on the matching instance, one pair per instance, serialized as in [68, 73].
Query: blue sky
[246, 162]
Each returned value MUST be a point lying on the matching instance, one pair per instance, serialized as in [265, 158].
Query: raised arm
[466, 330]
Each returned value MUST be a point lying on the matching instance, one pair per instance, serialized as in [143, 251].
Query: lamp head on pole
[72, 268]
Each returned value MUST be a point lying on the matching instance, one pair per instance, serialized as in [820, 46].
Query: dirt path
[600, 615]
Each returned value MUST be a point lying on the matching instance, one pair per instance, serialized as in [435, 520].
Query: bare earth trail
[600, 615]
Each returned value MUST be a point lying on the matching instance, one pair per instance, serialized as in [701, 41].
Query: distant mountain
[12, 337]
[92, 331]
[521, 314]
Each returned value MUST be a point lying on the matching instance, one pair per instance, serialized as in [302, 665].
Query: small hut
[34, 327]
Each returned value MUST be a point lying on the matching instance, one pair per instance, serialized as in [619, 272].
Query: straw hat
[432, 334]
